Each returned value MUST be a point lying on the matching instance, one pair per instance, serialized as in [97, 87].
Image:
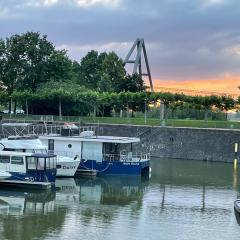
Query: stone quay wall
[183, 143]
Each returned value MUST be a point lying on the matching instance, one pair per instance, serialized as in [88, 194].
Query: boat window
[41, 163]
[4, 159]
[51, 144]
[48, 163]
[32, 163]
[17, 160]
[51, 163]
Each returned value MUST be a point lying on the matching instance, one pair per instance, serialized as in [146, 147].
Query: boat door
[5, 163]
[18, 164]
[51, 146]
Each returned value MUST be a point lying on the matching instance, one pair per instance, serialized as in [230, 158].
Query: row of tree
[36, 75]
[83, 102]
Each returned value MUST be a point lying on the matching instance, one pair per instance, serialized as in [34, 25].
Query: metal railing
[128, 157]
[22, 129]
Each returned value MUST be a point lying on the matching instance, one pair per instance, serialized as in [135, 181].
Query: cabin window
[51, 163]
[59, 166]
[41, 163]
[51, 144]
[69, 145]
[17, 160]
[32, 163]
[4, 159]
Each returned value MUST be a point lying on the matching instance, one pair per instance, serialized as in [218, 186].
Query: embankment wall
[183, 143]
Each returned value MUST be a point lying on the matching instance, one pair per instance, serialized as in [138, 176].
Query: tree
[131, 83]
[29, 60]
[37, 52]
[226, 103]
[112, 71]
[90, 70]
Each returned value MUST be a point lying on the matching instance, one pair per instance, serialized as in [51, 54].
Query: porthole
[69, 145]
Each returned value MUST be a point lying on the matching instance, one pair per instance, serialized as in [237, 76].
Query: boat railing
[122, 157]
[23, 129]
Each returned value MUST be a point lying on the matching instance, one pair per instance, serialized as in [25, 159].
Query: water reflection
[192, 184]
[112, 190]
[182, 200]
[24, 215]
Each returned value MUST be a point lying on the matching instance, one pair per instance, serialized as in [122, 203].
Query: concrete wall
[185, 143]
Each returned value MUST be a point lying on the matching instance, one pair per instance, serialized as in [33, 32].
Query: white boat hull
[67, 169]
[4, 175]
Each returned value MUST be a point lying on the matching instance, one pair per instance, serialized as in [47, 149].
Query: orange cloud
[227, 85]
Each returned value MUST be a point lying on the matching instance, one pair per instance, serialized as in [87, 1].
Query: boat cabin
[23, 144]
[29, 166]
[98, 148]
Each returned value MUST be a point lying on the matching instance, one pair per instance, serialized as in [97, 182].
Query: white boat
[66, 166]
[28, 169]
[94, 153]
[4, 175]
[100, 154]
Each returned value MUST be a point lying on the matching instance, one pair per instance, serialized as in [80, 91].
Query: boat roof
[14, 153]
[17, 124]
[22, 144]
[43, 155]
[103, 139]
[4, 153]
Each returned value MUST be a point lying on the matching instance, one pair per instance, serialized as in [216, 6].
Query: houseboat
[66, 166]
[32, 170]
[102, 154]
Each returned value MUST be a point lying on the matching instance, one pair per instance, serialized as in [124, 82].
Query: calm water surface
[181, 200]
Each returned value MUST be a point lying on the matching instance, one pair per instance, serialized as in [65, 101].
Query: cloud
[90, 3]
[209, 3]
[185, 39]
[76, 50]
[202, 86]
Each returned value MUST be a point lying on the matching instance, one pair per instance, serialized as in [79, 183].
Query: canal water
[181, 200]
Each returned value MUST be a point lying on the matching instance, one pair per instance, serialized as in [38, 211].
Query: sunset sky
[191, 44]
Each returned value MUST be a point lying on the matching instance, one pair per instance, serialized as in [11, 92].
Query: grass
[169, 122]
[138, 121]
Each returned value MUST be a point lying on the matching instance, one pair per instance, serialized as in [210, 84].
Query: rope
[103, 170]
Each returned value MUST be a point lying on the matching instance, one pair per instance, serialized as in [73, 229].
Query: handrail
[132, 157]
[47, 129]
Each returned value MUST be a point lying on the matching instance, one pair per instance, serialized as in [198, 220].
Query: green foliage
[36, 75]
[105, 73]
[29, 60]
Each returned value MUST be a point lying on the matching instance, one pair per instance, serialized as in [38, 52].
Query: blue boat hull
[115, 167]
[32, 179]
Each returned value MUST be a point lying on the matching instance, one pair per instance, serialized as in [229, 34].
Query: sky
[191, 44]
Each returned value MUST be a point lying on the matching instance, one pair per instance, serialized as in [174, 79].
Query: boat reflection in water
[27, 215]
[38, 214]
[112, 190]
[18, 203]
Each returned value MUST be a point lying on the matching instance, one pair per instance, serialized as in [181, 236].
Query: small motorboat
[4, 175]
[237, 205]
[22, 169]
